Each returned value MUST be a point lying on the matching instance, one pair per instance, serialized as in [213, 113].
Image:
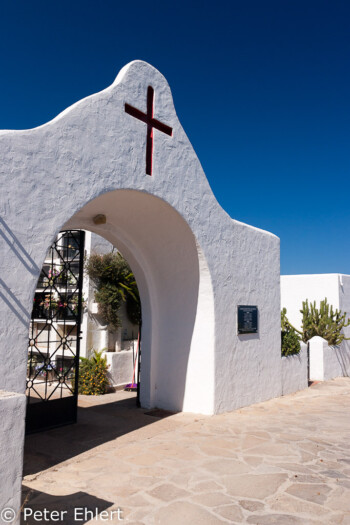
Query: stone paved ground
[284, 461]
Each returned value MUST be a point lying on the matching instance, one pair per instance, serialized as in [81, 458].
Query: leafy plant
[93, 378]
[290, 338]
[133, 309]
[115, 283]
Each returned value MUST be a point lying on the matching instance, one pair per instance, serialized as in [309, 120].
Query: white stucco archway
[176, 294]
[124, 153]
[99, 146]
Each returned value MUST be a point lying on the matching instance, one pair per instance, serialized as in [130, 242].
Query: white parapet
[327, 362]
[12, 416]
[120, 367]
[294, 371]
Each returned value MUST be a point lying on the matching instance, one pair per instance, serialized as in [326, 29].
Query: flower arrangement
[48, 303]
[53, 273]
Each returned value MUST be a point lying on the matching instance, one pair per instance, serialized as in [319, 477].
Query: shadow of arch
[176, 294]
[78, 507]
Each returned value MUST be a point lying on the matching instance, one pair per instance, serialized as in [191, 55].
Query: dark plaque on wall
[247, 319]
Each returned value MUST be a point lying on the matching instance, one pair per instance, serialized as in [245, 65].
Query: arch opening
[176, 296]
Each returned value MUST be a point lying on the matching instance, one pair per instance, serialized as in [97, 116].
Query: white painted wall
[327, 362]
[12, 414]
[121, 367]
[294, 371]
[315, 287]
[247, 367]
[344, 305]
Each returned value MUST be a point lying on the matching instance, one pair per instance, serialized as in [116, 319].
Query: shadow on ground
[79, 506]
[96, 425]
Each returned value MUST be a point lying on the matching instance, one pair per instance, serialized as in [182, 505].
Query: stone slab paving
[284, 461]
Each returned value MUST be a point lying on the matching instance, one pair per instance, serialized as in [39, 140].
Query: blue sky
[261, 88]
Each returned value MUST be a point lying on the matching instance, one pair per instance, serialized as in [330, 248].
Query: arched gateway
[209, 285]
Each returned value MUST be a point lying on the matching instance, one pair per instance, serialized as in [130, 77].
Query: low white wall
[344, 305]
[336, 287]
[12, 416]
[327, 362]
[121, 366]
[294, 371]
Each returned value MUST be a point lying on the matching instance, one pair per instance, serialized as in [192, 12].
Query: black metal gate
[54, 337]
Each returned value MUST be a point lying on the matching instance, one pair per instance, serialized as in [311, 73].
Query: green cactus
[324, 322]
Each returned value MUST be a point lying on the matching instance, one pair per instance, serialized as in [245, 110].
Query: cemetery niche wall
[123, 153]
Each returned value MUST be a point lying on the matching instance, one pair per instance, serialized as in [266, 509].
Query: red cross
[151, 122]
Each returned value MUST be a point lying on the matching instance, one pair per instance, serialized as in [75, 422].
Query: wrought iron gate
[54, 336]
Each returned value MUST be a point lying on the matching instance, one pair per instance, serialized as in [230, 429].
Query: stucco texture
[12, 414]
